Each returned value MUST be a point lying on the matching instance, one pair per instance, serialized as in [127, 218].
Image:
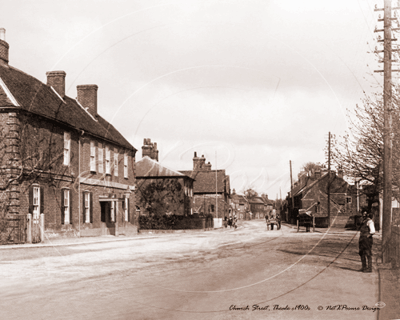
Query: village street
[198, 275]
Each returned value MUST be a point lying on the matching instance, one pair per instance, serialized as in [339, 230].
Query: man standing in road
[365, 242]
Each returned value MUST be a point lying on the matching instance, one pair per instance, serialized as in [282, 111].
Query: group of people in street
[272, 218]
[231, 222]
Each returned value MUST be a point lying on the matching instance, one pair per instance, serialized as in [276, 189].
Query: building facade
[61, 162]
[161, 190]
[211, 188]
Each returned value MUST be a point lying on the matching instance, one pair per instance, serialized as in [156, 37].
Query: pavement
[389, 279]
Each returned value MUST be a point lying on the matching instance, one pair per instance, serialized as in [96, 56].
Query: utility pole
[387, 131]
[216, 185]
[329, 179]
[291, 188]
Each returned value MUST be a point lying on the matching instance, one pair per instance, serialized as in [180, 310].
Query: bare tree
[311, 167]
[360, 151]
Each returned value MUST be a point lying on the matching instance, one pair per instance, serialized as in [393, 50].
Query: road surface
[248, 273]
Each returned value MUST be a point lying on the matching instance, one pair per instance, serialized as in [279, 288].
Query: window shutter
[125, 165]
[100, 160]
[92, 157]
[116, 162]
[62, 206]
[83, 207]
[70, 207]
[31, 199]
[127, 204]
[41, 200]
[91, 206]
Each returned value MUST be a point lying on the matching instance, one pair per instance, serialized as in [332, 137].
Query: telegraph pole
[329, 180]
[291, 186]
[387, 130]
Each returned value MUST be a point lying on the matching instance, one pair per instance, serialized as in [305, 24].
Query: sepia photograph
[199, 159]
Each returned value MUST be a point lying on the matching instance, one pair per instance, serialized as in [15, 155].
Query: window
[125, 166]
[212, 208]
[116, 162]
[87, 206]
[36, 204]
[126, 209]
[100, 158]
[348, 199]
[65, 206]
[67, 148]
[92, 157]
[108, 156]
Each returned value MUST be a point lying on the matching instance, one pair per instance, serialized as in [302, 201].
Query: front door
[107, 218]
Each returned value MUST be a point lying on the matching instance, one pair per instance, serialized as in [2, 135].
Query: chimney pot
[3, 47]
[56, 79]
[87, 97]
[3, 34]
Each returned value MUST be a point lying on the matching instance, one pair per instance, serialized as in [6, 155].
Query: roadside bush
[170, 222]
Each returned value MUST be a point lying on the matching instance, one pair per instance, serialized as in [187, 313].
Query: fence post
[29, 228]
[298, 225]
[41, 226]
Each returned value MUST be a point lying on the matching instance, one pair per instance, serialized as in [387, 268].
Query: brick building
[60, 158]
[240, 206]
[311, 193]
[161, 190]
[211, 188]
[257, 207]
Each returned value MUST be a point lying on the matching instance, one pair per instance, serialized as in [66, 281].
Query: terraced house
[63, 167]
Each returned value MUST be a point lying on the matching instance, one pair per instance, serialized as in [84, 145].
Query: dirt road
[249, 273]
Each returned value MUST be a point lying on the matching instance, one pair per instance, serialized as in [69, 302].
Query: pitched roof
[147, 167]
[337, 185]
[36, 97]
[206, 181]
[256, 200]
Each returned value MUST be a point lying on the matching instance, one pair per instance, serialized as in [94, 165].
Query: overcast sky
[251, 84]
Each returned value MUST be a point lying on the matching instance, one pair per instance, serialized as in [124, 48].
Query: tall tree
[360, 151]
[311, 167]
[250, 193]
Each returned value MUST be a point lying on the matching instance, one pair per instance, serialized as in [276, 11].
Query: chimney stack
[56, 79]
[3, 47]
[87, 97]
[207, 166]
[149, 149]
[196, 162]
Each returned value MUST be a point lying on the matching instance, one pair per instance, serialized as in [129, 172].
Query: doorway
[107, 218]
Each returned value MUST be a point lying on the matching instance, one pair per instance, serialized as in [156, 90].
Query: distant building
[257, 207]
[240, 206]
[311, 193]
[211, 188]
[161, 190]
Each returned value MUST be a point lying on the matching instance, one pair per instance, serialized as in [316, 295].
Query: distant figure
[225, 221]
[235, 222]
[273, 214]
[367, 230]
[278, 221]
[230, 222]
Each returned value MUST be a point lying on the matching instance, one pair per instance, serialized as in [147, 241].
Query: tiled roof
[147, 167]
[206, 181]
[36, 97]
[256, 200]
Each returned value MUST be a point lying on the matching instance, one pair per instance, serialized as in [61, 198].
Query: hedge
[175, 222]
